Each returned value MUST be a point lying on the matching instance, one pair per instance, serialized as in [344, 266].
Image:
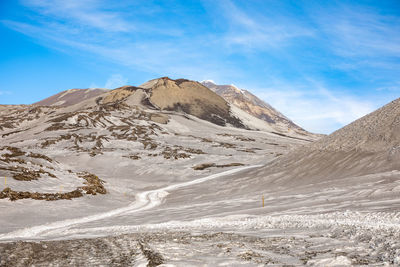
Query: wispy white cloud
[98, 17]
[316, 108]
[258, 30]
[88, 13]
[167, 57]
[361, 35]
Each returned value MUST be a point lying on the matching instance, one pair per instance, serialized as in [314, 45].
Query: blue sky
[321, 63]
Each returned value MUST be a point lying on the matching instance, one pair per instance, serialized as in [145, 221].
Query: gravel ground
[294, 242]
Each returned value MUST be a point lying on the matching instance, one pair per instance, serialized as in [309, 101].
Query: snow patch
[249, 120]
[338, 261]
[58, 103]
[67, 92]
[208, 81]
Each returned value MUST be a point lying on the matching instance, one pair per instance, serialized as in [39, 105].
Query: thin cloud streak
[357, 34]
[152, 56]
[246, 32]
[84, 13]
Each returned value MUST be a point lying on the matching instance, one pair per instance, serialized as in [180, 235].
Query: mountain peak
[207, 81]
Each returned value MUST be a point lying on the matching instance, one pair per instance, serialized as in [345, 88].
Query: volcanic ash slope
[355, 168]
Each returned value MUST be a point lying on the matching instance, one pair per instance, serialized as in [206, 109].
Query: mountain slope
[70, 97]
[369, 145]
[357, 166]
[251, 104]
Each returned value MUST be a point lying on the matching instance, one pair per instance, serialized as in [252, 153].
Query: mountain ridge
[190, 97]
[256, 107]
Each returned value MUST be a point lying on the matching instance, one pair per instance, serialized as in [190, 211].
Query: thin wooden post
[263, 201]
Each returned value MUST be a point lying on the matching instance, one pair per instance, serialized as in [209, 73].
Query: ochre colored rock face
[192, 98]
[167, 93]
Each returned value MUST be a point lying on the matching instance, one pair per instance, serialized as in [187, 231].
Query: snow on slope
[144, 201]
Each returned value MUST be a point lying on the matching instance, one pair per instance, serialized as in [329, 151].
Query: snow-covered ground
[161, 209]
[143, 201]
[171, 226]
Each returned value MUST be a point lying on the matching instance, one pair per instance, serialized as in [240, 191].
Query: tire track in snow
[144, 201]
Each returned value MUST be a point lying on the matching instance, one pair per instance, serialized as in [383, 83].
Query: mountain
[164, 94]
[256, 107]
[193, 98]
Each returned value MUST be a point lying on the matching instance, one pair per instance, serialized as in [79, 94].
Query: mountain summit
[192, 98]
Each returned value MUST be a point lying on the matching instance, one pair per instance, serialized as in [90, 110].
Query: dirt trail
[144, 201]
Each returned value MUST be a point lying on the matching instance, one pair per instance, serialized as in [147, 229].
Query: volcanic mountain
[256, 107]
[193, 98]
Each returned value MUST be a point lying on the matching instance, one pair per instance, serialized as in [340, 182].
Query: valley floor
[187, 225]
[335, 239]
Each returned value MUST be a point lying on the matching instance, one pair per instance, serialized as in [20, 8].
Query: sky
[323, 64]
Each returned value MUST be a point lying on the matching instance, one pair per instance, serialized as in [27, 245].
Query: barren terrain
[157, 186]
